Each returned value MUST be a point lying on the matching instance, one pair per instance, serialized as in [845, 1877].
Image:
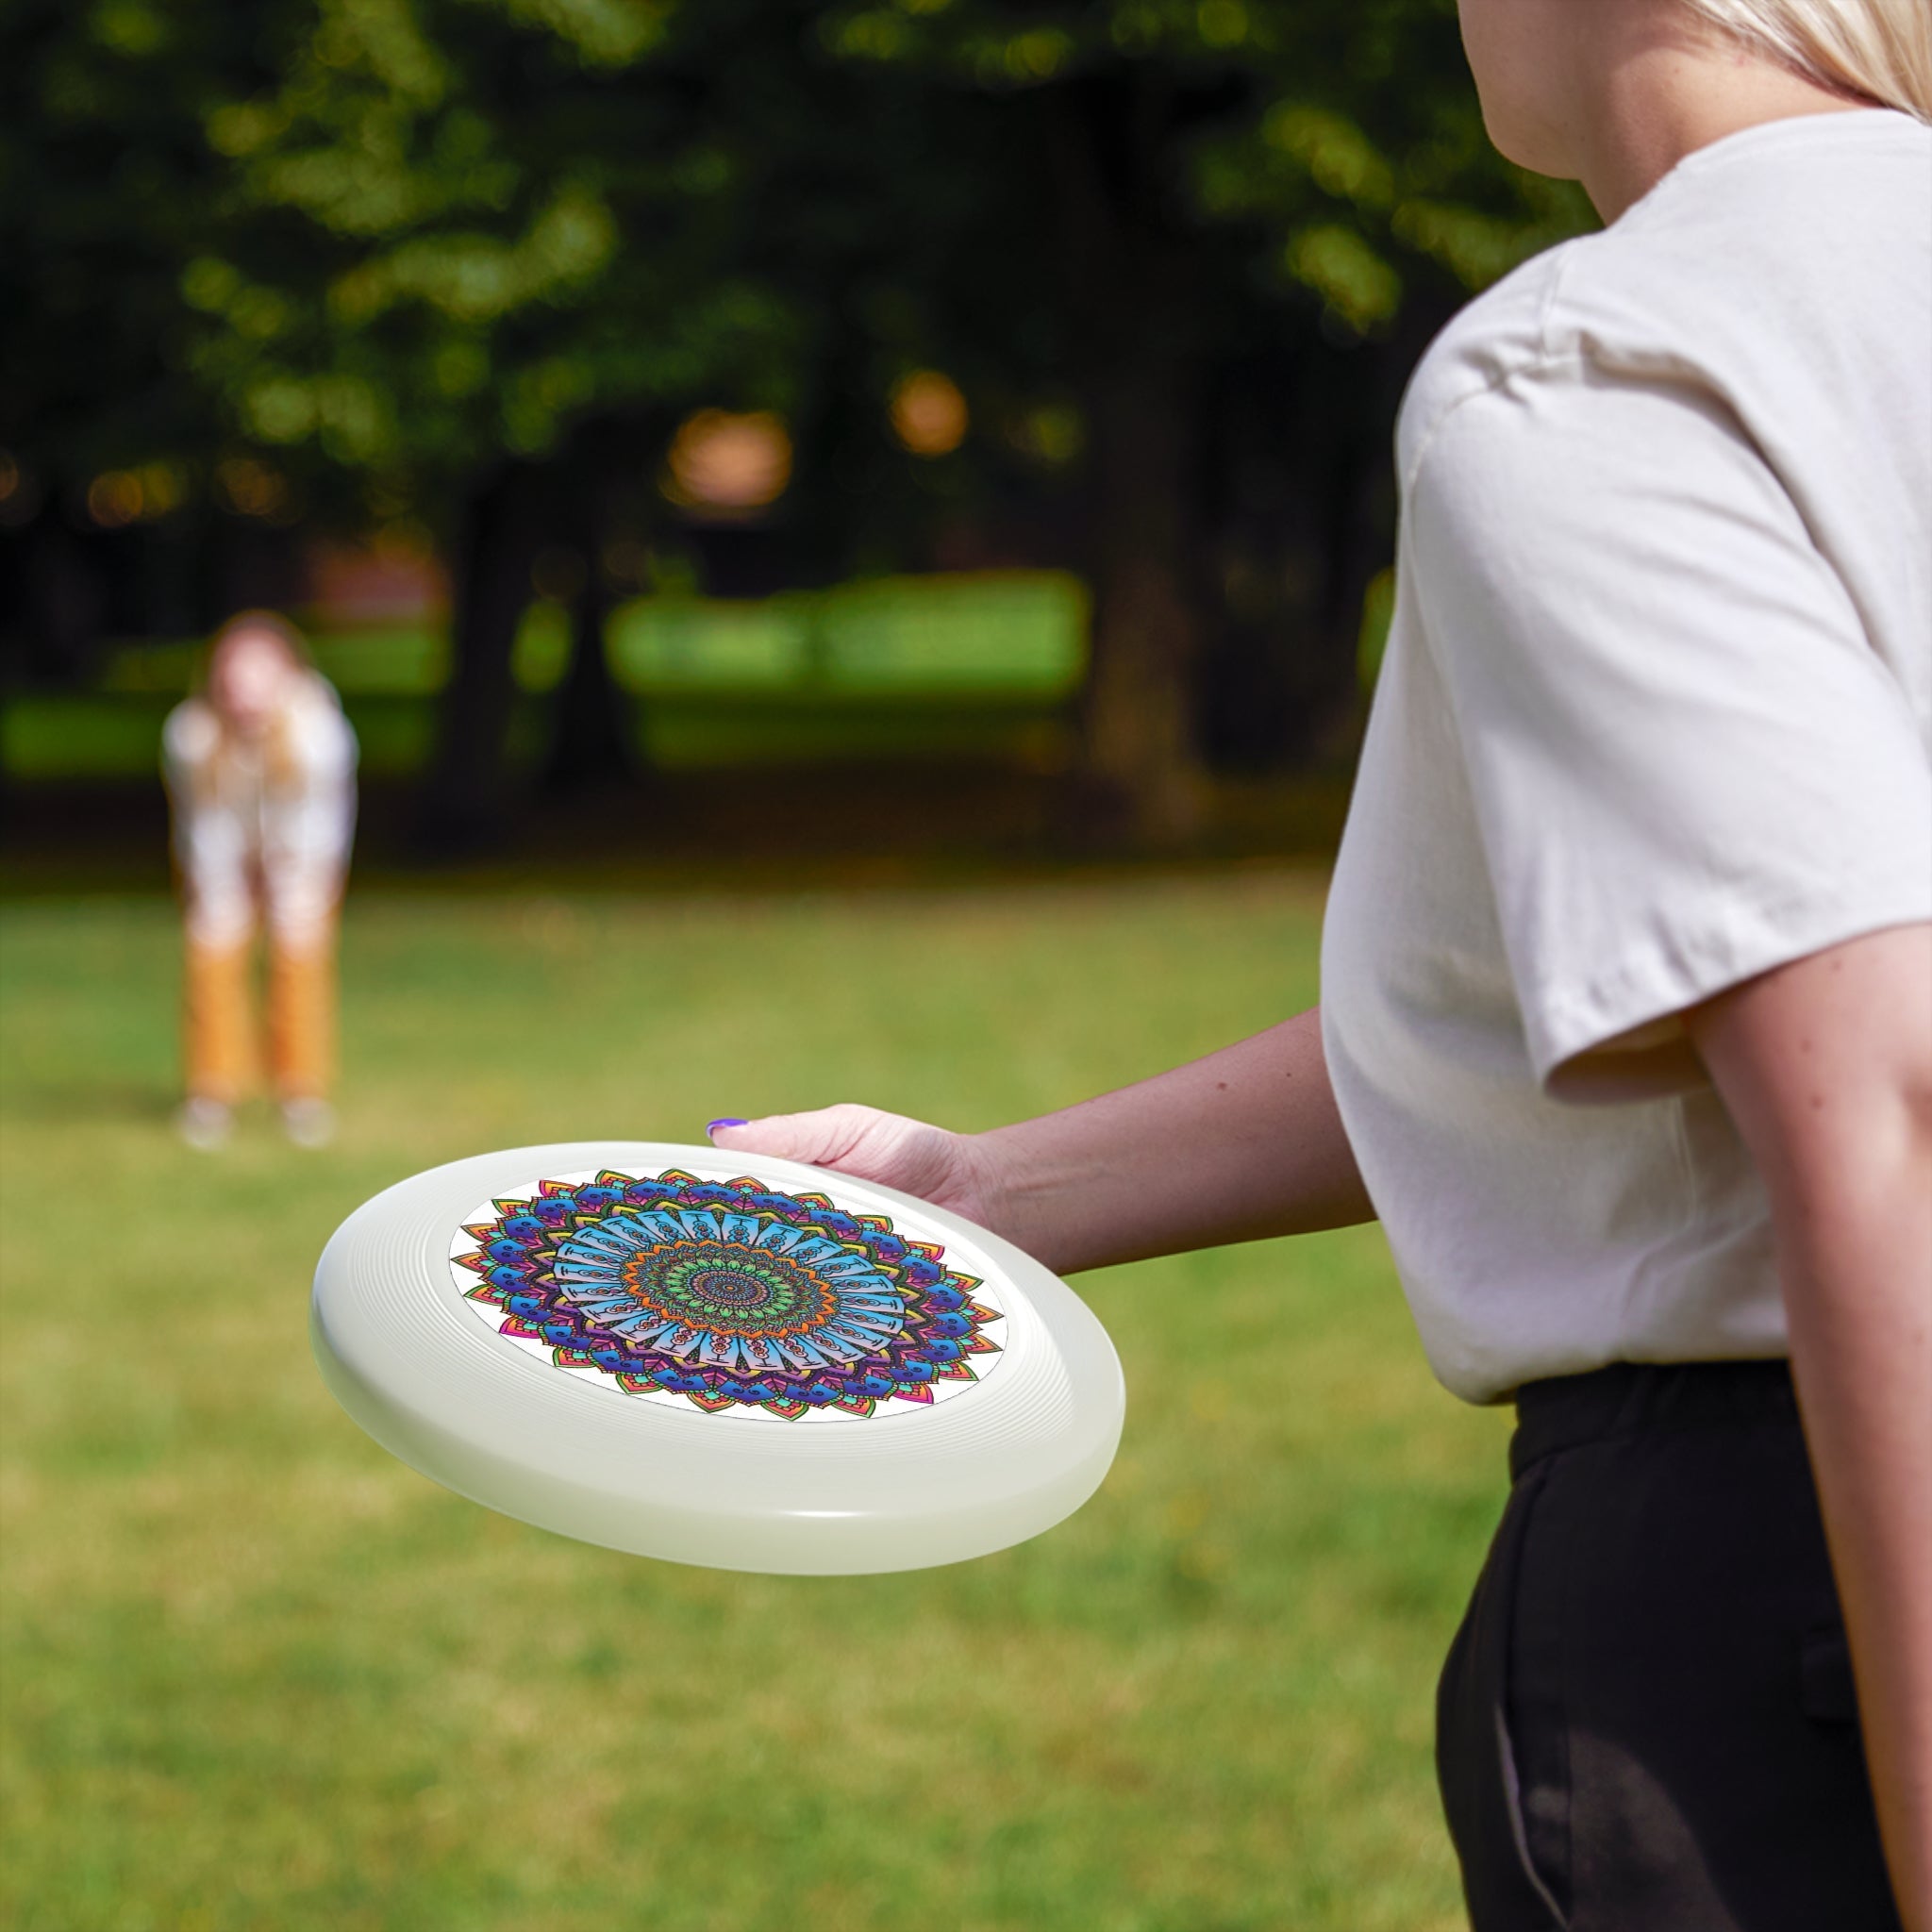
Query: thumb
[817, 1137]
[859, 1141]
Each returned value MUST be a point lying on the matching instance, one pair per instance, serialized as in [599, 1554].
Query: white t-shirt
[1655, 716]
[246, 832]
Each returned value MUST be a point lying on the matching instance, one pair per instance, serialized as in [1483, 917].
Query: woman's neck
[1655, 97]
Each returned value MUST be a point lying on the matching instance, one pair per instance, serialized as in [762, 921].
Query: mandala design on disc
[726, 1296]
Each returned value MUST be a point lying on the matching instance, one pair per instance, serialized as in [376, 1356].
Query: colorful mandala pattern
[728, 1294]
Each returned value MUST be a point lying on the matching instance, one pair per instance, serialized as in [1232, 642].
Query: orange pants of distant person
[223, 1043]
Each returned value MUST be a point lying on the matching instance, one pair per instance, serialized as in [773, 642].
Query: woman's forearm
[1243, 1144]
[1858, 1298]
[1826, 1068]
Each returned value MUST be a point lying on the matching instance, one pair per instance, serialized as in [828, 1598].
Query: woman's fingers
[860, 1140]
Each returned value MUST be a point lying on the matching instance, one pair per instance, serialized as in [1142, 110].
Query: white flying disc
[717, 1358]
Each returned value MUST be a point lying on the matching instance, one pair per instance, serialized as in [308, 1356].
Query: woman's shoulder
[321, 734]
[1757, 265]
[192, 733]
[316, 697]
[1498, 335]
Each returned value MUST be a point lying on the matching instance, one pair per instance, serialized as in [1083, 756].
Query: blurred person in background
[261, 769]
[1627, 1020]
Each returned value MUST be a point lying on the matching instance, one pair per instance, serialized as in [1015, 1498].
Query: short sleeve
[1688, 763]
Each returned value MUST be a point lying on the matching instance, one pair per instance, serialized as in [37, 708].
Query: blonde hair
[1879, 50]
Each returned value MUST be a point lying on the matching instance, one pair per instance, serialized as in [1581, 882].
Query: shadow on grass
[80, 1103]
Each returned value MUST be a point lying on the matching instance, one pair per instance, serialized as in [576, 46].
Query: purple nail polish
[714, 1125]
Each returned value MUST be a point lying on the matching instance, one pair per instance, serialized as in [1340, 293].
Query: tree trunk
[594, 744]
[1141, 742]
[62, 601]
[468, 796]
[1133, 306]
[591, 744]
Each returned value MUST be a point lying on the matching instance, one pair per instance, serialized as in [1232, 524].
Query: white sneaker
[309, 1122]
[203, 1123]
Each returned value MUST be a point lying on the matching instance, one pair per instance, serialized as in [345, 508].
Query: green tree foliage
[108, 187]
[1238, 191]
[471, 260]
[505, 218]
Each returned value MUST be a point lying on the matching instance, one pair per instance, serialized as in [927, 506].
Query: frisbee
[717, 1358]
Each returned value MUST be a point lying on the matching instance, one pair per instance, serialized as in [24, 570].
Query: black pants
[1646, 1721]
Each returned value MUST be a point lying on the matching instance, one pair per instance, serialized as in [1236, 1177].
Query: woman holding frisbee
[261, 776]
[1626, 1032]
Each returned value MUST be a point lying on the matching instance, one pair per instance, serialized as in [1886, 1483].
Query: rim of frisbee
[402, 1349]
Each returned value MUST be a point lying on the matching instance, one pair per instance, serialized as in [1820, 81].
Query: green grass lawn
[258, 1675]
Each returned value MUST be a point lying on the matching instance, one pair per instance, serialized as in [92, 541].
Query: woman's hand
[949, 1169]
[1236, 1147]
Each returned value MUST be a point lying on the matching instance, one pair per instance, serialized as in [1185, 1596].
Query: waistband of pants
[1640, 1398]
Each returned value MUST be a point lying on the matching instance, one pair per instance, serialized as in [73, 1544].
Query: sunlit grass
[258, 1675]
